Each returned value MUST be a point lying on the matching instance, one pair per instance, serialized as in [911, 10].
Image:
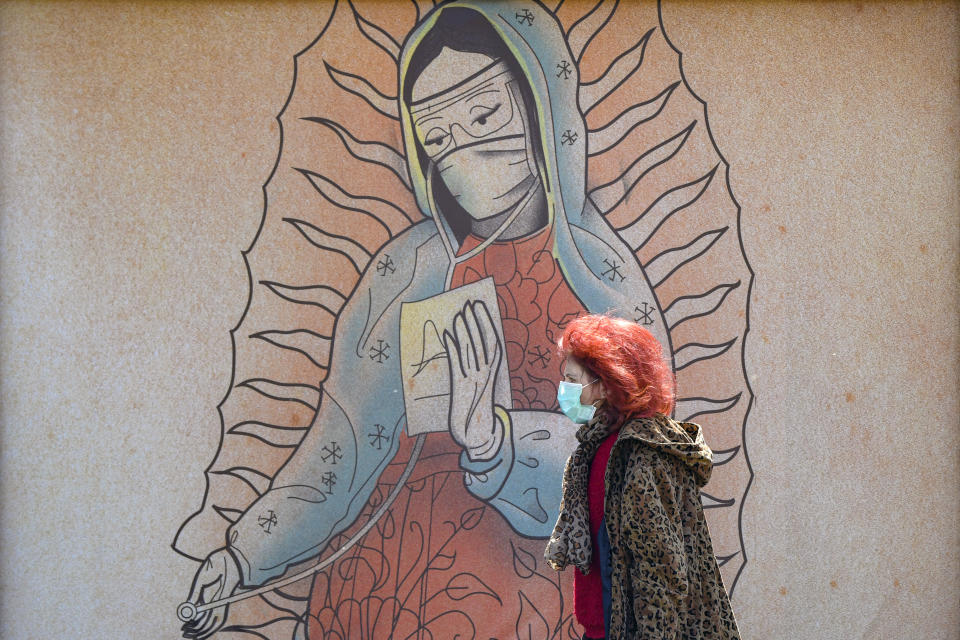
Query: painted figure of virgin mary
[417, 501]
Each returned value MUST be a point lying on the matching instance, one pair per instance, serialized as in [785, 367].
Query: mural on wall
[454, 184]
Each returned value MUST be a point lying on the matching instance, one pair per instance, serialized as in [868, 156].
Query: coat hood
[682, 440]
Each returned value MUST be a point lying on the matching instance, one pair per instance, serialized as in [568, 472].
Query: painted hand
[474, 354]
[216, 578]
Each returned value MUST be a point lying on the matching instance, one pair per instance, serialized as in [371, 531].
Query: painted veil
[316, 463]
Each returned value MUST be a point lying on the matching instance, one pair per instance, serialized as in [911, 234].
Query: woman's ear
[602, 392]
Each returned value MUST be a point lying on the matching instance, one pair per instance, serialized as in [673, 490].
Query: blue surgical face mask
[568, 397]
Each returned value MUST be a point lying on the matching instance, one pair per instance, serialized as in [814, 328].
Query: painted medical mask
[568, 397]
[475, 136]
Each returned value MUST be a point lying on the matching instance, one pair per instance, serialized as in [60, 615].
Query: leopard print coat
[665, 582]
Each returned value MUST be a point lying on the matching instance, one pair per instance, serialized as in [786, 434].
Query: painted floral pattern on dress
[536, 303]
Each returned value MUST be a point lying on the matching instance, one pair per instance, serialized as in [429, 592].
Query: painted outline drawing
[552, 155]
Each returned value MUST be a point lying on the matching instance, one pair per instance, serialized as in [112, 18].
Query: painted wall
[136, 139]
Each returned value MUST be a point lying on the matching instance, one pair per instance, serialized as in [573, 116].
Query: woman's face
[470, 121]
[575, 372]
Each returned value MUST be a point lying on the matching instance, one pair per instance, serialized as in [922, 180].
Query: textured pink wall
[840, 123]
[135, 139]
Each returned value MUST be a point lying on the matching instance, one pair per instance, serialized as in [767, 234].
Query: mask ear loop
[601, 399]
[435, 214]
[503, 225]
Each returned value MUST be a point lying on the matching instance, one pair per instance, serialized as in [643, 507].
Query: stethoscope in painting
[187, 611]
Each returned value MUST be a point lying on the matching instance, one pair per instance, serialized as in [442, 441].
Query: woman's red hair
[627, 358]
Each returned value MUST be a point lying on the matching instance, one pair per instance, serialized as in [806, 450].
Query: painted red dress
[441, 563]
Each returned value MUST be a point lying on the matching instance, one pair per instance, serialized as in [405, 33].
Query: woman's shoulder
[660, 440]
[659, 429]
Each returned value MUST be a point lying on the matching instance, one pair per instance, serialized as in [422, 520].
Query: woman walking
[631, 521]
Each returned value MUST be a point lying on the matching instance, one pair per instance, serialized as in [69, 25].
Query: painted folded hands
[474, 356]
